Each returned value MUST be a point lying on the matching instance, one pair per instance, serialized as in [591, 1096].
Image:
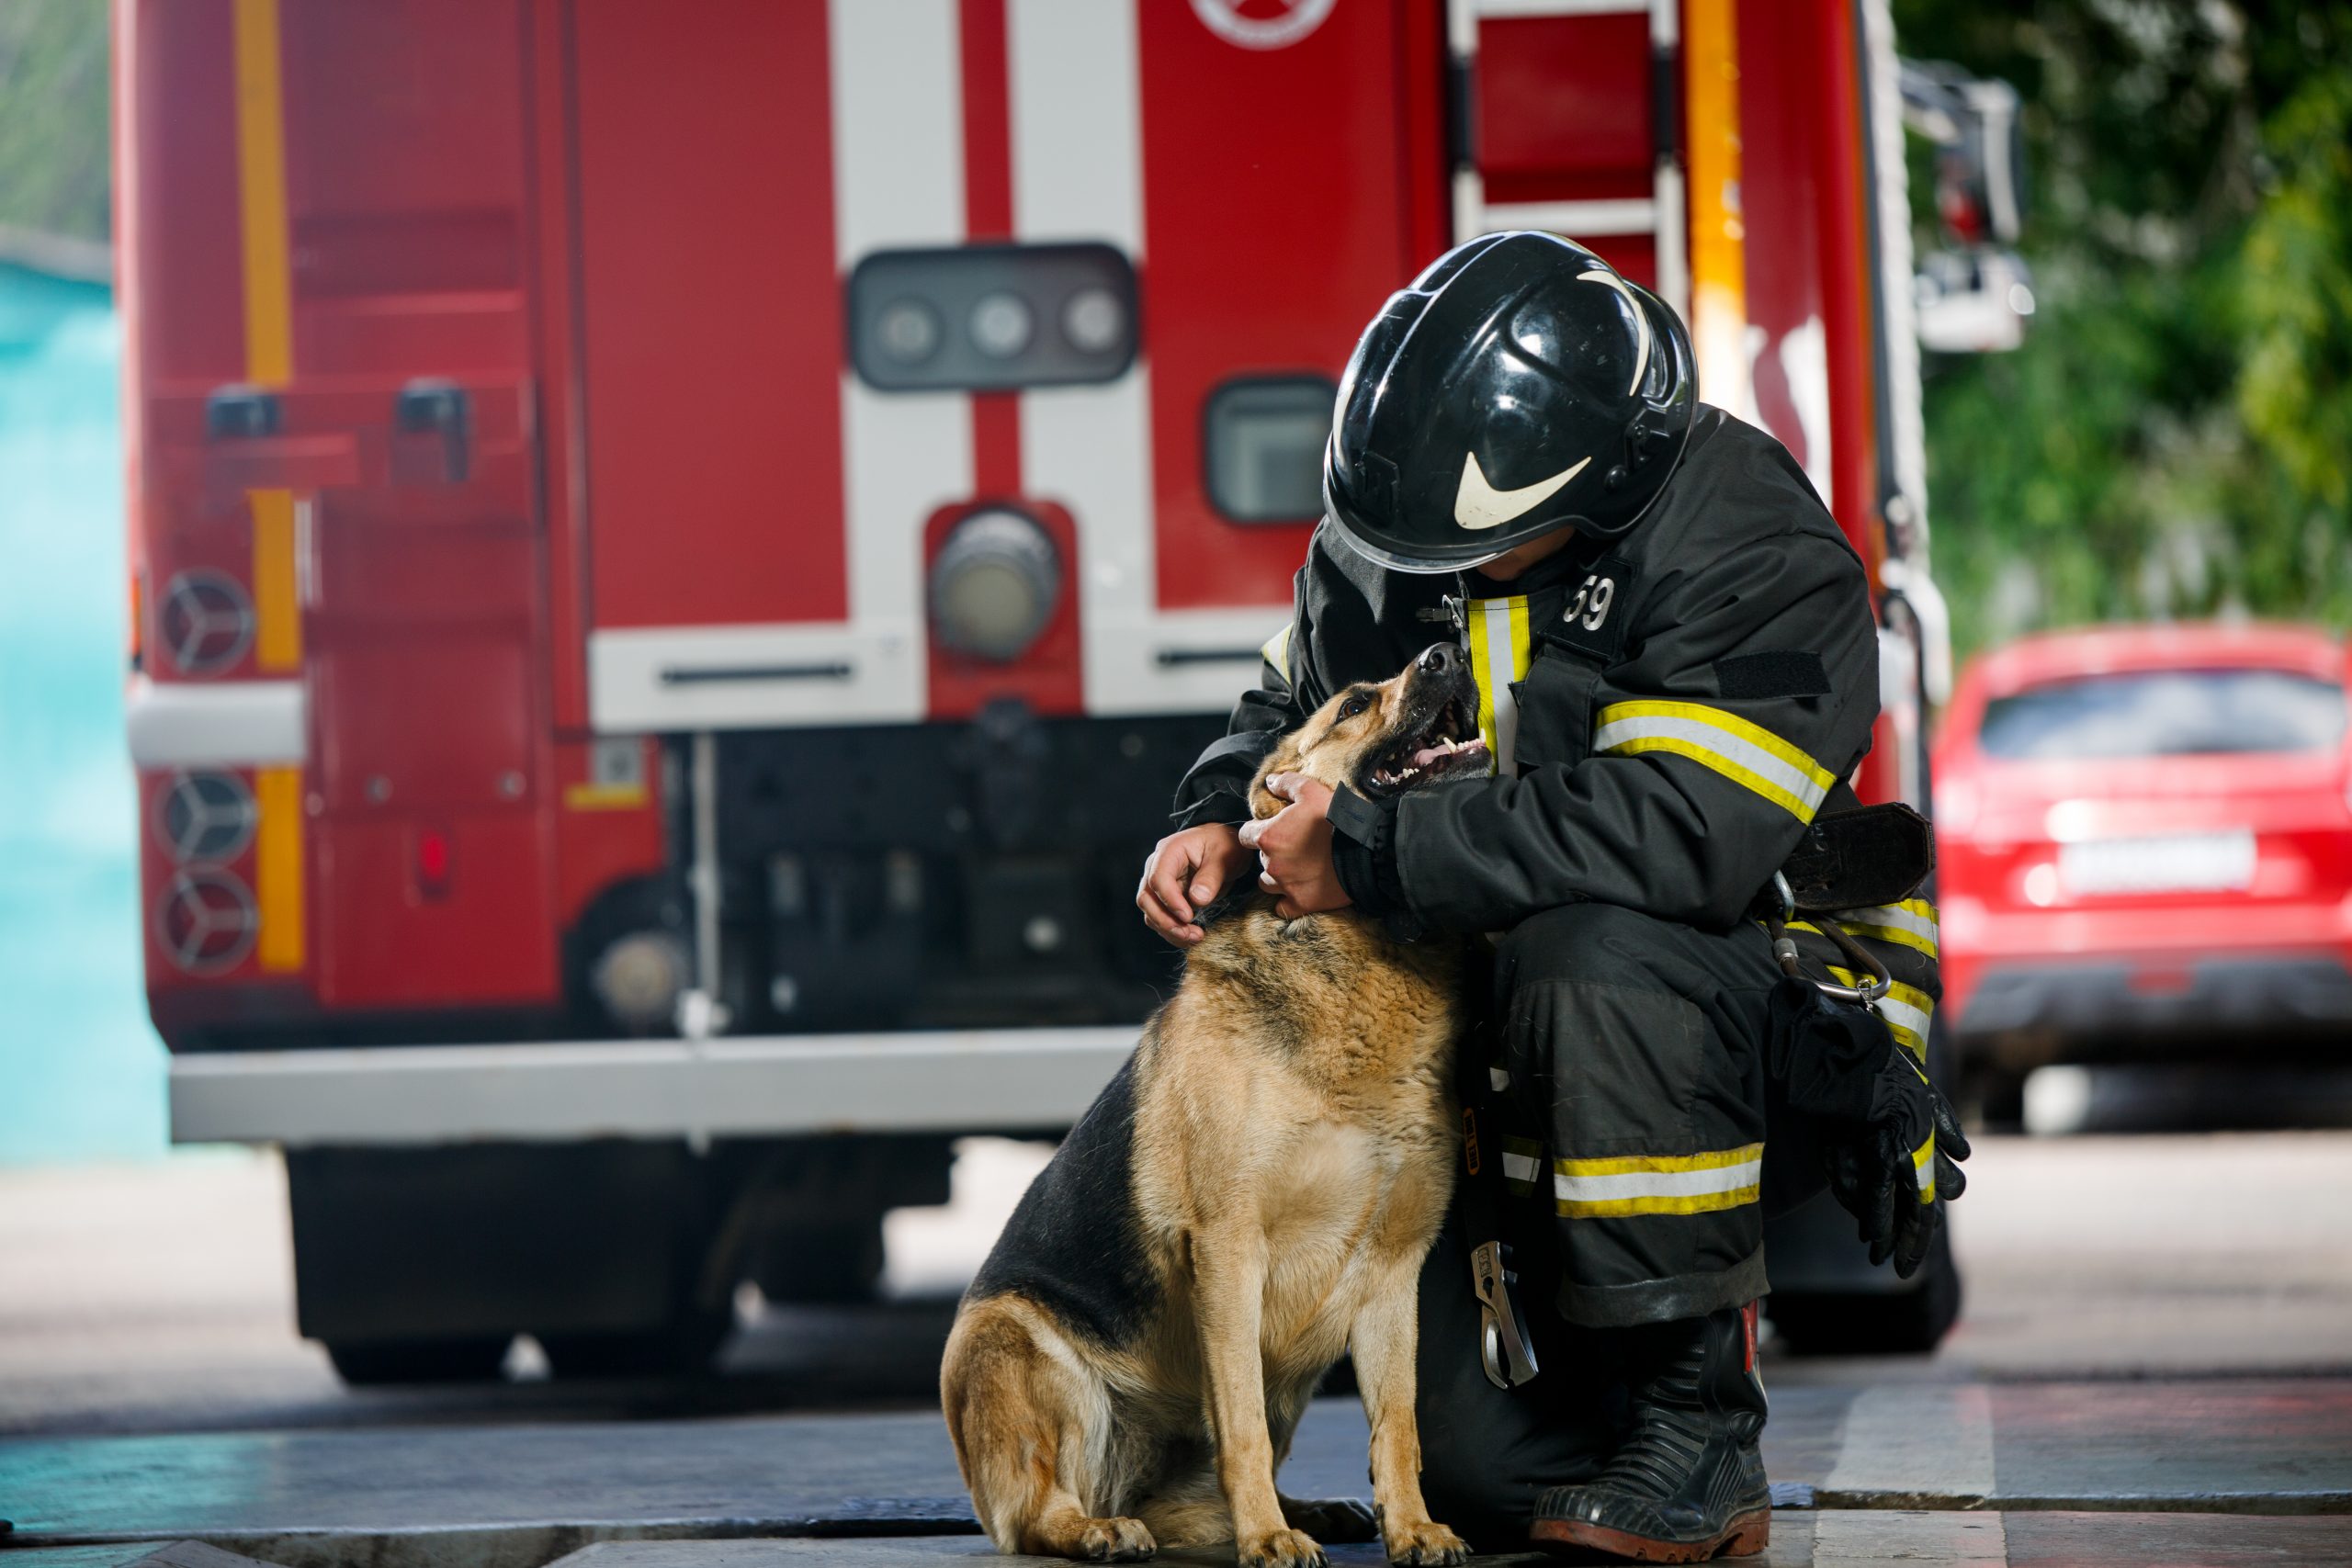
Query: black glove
[1890, 1141]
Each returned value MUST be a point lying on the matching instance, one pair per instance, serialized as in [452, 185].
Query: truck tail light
[206, 816]
[432, 862]
[205, 921]
[994, 584]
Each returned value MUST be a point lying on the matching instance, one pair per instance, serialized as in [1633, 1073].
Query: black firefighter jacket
[1668, 711]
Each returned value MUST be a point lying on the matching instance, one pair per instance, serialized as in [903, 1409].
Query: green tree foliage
[53, 149]
[2176, 436]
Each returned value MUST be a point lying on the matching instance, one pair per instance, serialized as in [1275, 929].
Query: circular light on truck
[1002, 326]
[206, 921]
[908, 331]
[1094, 321]
[206, 816]
[207, 621]
[994, 585]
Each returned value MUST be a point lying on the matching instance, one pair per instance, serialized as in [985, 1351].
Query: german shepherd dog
[1252, 1195]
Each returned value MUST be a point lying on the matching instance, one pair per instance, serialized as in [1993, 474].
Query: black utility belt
[1855, 859]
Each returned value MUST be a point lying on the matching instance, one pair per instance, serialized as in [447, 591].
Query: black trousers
[1629, 1082]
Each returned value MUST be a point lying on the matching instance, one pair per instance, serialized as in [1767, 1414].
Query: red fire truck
[680, 550]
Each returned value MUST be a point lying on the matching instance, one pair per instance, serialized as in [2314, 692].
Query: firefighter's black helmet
[1519, 384]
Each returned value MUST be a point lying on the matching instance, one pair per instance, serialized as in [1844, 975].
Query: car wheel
[1994, 1098]
[1857, 1323]
[480, 1359]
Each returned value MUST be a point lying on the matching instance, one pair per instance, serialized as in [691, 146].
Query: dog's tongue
[1429, 754]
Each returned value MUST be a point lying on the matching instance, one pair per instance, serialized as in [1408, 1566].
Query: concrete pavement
[518, 1495]
[160, 1298]
[1800, 1540]
[2155, 1367]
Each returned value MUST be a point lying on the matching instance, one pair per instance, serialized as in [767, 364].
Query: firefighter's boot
[1689, 1482]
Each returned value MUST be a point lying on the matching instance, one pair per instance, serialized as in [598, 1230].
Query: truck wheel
[682, 1348]
[473, 1360]
[1857, 1323]
[835, 1261]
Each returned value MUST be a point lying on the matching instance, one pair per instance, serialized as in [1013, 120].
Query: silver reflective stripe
[1893, 918]
[1903, 1015]
[1719, 741]
[1708, 1180]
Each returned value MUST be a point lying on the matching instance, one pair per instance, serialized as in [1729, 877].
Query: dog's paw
[1281, 1549]
[1341, 1519]
[1114, 1540]
[1426, 1545]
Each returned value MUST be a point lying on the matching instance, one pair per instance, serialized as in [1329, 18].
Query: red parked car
[2146, 849]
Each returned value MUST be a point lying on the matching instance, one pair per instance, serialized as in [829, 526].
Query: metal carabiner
[1503, 1351]
[1784, 953]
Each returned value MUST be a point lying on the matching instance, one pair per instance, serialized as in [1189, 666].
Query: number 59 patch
[1593, 614]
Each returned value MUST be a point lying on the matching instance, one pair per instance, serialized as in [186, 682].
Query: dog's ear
[1283, 758]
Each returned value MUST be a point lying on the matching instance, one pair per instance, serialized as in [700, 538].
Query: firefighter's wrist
[1364, 858]
[1224, 806]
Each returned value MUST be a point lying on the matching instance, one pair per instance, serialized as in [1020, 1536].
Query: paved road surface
[2156, 1367]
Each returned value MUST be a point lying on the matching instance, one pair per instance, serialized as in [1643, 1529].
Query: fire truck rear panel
[923, 397]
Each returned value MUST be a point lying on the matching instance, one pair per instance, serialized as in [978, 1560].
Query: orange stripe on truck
[278, 868]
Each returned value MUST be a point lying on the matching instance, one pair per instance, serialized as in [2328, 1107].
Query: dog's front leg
[1381, 1342]
[1229, 1296]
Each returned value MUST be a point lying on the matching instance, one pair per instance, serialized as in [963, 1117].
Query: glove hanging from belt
[1890, 1140]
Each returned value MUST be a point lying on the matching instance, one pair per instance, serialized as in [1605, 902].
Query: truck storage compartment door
[710, 313]
[1291, 179]
[419, 569]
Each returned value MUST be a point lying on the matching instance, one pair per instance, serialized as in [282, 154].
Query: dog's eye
[1354, 706]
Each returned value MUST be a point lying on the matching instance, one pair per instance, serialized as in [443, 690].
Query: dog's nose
[1438, 659]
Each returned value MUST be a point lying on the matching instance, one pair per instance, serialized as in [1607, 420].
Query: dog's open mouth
[1448, 743]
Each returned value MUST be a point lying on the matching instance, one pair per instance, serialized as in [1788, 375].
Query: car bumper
[2133, 1004]
[948, 1082]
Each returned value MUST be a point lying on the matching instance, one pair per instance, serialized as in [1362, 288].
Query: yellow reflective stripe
[277, 867]
[261, 193]
[1522, 1164]
[1616, 1208]
[1744, 753]
[1277, 651]
[278, 616]
[1623, 1165]
[1906, 1009]
[1657, 1184]
[1911, 924]
[1497, 634]
[1923, 1168]
[605, 796]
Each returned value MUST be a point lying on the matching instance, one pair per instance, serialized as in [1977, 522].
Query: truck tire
[1861, 1323]
[827, 1262]
[682, 1348]
[475, 1358]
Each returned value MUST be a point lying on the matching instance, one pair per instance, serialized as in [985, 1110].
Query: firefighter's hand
[1186, 872]
[1294, 848]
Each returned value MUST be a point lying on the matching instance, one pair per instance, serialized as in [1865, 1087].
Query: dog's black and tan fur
[1253, 1194]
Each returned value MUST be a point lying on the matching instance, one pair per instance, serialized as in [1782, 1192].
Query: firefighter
[1677, 664]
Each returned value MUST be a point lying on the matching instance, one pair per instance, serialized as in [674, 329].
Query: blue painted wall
[81, 1072]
